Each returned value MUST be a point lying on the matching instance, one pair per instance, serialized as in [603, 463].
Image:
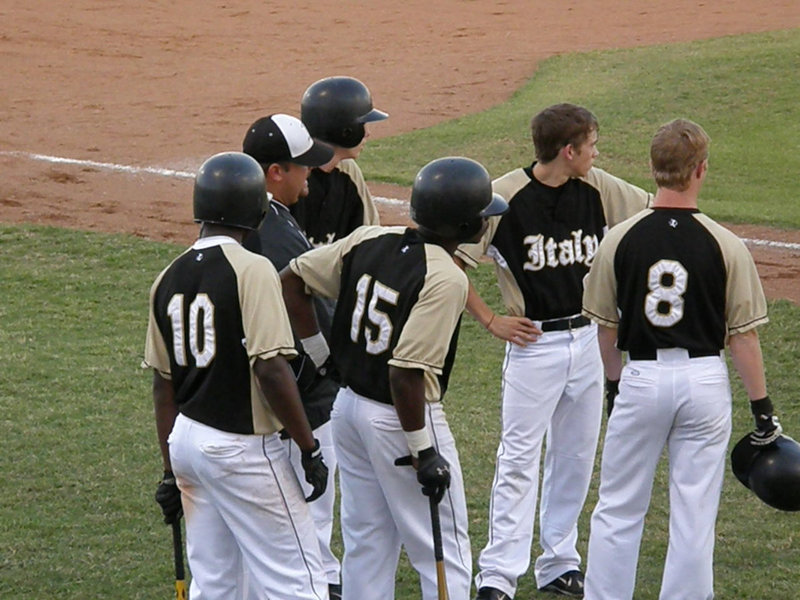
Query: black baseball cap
[283, 138]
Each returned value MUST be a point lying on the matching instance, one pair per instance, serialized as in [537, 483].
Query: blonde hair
[677, 149]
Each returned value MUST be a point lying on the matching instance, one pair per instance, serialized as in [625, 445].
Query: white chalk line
[188, 175]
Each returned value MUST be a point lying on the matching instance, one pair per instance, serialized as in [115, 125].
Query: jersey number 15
[377, 337]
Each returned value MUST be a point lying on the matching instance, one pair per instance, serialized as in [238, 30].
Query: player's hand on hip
[168, 497]
[768, 429]
[612, 391]
[316, 471]
[517, 330]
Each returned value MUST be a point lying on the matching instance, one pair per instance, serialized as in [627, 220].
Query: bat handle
[438, 552]
[177, 552]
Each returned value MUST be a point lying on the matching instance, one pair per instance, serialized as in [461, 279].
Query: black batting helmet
[335, 109]
[229, 189]
[772, 472]
[451, 196]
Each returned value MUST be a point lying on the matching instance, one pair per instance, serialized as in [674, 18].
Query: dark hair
[558, 126]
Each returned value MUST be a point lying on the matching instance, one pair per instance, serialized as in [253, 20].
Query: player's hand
[612, 391]
[433, 472]
[517, 330]
[768, 429]
[316, 471]
[168, 497]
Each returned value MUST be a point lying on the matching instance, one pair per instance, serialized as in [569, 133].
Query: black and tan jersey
[674, 278]
[400, 301]
[213, 311]
[544, 245]
[337, 203]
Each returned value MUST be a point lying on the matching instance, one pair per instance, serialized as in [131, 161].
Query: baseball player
[400, 298]
[560, 209]
[668, 286]
[336, 110]
[286, 152]
[218, 340]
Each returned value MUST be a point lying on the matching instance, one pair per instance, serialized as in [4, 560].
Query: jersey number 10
[200, 310]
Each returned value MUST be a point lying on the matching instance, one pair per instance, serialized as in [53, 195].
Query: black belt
[565, 323]
[652, 354]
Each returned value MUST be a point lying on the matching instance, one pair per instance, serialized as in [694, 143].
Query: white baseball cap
[283, 138]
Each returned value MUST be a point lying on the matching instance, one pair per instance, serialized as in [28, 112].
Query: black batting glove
[433, 472]
[316, 471]
[768, 429]
[612, 391]
[168, 497]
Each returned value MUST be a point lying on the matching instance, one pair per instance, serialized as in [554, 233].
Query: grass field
[742, 90]
[80, 460]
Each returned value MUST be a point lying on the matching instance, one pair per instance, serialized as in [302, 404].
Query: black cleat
[490, 593]
[569, 584]
[335, 591]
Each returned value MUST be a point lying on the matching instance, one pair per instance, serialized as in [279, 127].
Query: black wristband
[762, 406]
[612, 385]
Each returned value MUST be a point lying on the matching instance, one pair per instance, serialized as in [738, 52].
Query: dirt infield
[166, 84]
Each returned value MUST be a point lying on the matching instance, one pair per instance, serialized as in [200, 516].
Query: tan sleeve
[425, 339]
[156, 355]
[620, 199]
[264, 318]
[745, 303]
[351, 168]
[600, 284]
[321, 268]
[507, 186]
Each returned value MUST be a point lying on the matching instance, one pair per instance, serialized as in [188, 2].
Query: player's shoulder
[350, 167]
[509, 184]
[243, 260]
[724, 236]
[619, 231]
[442, 268]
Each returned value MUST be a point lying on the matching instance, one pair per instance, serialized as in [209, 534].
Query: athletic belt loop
[652, 354]
[566, 323]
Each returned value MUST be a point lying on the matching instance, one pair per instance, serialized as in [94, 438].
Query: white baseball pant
[552, 387]
[685, 405]
[383, 508]
[322, 508]
[244, 510]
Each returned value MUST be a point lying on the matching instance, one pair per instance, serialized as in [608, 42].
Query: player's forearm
[749, 363]
[165, 413]
[408, 394]
[611, 356]
[280, 390]
[477, 307]
[299, 305]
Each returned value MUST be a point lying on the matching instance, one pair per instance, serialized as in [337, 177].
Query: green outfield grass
[80, 460]
[743, 90]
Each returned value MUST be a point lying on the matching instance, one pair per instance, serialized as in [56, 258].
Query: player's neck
[552, 174]
[211, 230]
[666, 198]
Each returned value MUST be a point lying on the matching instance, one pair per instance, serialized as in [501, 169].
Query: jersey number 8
[667, 281]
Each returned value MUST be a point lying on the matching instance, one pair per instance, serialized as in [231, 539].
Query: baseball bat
[177, 552]
[438, 553]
